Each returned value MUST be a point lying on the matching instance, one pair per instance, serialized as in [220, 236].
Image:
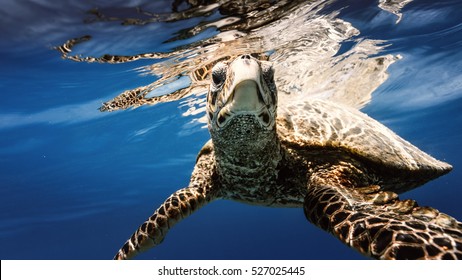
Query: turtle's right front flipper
[203, 188]
[152, 232]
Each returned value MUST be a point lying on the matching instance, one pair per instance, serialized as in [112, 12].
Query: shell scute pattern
[324, 124]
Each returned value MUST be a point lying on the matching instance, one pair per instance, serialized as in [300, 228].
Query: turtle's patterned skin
[344, 168]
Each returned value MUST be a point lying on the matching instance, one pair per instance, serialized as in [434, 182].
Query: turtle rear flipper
[380, 225]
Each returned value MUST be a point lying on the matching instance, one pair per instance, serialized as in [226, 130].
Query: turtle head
[244, 87]
[241, 91]
[241, 107]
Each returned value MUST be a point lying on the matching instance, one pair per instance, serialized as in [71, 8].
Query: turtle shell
[319, 124]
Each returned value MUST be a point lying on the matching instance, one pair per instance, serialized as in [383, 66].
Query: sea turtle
[344, 168]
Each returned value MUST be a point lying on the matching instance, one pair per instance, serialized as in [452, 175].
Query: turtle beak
[245, 87]
[245, 93]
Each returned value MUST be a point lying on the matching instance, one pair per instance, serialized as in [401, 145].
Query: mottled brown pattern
[391, 230]
[344, 168]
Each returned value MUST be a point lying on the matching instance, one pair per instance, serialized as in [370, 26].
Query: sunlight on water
[300, 38]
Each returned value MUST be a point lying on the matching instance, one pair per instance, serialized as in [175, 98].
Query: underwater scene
[103, 113]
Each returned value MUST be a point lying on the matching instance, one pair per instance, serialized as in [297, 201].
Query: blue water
[75, 182]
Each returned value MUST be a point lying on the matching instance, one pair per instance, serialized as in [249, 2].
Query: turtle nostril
[245, 56]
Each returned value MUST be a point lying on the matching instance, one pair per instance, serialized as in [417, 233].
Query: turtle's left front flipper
[379, 225]
[202, 189]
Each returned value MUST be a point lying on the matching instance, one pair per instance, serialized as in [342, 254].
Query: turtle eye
[268, 71]
[217, 78]
[219, 74]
